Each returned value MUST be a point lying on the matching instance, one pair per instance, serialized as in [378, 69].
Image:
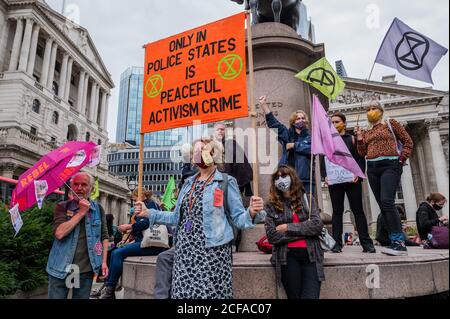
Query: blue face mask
[300, 125]
[283, 184]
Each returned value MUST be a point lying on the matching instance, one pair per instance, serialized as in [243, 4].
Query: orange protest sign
[198, 75]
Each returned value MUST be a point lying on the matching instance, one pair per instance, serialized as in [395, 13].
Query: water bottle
[430, 237]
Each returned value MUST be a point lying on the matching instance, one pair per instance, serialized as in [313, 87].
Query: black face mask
[437, 207]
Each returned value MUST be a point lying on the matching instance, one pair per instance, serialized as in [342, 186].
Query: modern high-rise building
[307, 30]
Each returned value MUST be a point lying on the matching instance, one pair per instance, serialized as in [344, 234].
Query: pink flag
[327, 141]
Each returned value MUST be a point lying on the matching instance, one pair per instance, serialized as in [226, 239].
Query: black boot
[108, 293]
[337, 249]
[369, 249]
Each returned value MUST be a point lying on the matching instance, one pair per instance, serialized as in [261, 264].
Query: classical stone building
[54, 88]
[424, 112]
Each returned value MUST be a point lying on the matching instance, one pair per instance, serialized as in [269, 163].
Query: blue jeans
[57, 288]
[120, 254]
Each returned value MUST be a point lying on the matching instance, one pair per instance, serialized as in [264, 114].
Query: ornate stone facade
[54, 88]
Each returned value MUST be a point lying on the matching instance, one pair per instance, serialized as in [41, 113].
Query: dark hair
[109, 224]
[276, 198]
[341, 116]
[435, 197]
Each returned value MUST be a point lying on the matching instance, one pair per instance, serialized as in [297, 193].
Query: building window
[36, 107]
[53, 140]
[33, 131]
[88, 137]
[55, 118]
[99, 142]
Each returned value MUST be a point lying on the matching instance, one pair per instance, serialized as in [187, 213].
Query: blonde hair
[294, 115]
[147, 194]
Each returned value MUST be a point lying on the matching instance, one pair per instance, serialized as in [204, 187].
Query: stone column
[102, 110]
[25, 51]
[92, 102]
[81, 91]
[102, 201]
[51, 69]
[409, 193]
[46, 62]
[34, 43]
[439, 161]
[97, 101]
[105, 118]
[85, 94]
[68, 80]
[16, 45]
[63, 76]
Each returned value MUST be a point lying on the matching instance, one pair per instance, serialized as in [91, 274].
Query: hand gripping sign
[198, 75]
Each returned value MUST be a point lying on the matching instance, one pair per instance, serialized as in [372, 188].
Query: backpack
[397, 142]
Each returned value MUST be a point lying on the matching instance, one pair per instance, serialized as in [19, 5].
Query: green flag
[96, 190]
[169, 199]
[322, 76]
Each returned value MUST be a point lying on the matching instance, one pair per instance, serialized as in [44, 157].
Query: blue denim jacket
[63, 251]
[302, 149]
[218, 230]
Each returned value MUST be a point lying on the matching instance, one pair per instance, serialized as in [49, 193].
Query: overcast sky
[352, 31]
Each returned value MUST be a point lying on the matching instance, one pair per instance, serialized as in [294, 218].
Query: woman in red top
[293, 231]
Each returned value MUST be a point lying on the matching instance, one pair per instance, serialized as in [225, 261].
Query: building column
[51, 69]
[439, 161]
[68, 80]
[102, 201]
[46, 62]
[97, 102]
[102, 110]
[63, 75]
[26, 44]
[104, 123]
[34, 43]
[409, 193]
[16, 45]
[92, 102]
[374, 208]
[85, 94]
[81, 91]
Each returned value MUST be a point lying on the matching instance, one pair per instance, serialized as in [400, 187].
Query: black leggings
[299, 276]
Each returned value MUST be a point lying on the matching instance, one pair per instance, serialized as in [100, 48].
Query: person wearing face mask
[353, 190]
[427, 216]
[207, 204]
[295, 141]
[293, 231]
[385, 160]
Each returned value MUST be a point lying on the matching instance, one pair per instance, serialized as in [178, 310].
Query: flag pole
[365, 90]
[253, 113]
[141, 167]
[312, 160]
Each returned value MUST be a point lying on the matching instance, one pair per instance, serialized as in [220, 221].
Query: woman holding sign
[386, 145]
[207, 205]
[341, 182]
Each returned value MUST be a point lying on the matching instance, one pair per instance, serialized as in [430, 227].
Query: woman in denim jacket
[203, 255]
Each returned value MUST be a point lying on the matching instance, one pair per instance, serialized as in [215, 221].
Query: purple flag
[327, 141]
[413, 54]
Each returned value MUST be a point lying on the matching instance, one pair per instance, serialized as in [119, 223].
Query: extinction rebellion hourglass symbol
[412, 50]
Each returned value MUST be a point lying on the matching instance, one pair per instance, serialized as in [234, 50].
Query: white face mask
[283, 184]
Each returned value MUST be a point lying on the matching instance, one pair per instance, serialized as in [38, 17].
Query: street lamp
[132, 184]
